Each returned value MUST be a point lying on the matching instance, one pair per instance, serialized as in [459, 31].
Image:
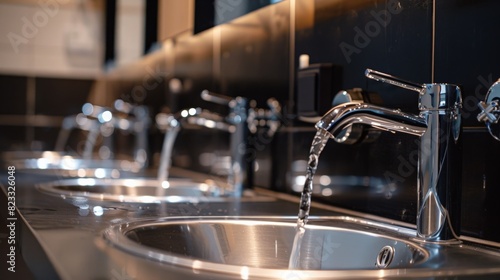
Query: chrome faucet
[133, 119]
[271, 118]
[439, 126]
[91, 119]
[102, 121]
[234, 123]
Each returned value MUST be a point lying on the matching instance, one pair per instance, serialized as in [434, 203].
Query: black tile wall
[467, 54]
[13, 95]
[390, 36]
[56, 97]
[13, 98]
[12, 138]
[467, 49]
[61, 97]
[214, 12]
[480, 192]
[255, 55]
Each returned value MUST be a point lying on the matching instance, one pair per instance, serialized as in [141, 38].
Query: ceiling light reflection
[98, 211]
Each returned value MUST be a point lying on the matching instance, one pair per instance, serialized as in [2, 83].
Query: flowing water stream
[319, 142]
[165, 158]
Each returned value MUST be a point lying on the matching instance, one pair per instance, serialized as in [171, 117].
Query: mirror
[209, 13]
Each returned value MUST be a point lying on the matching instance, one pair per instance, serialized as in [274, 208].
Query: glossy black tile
[61, 97]
[14, 96]
[390, 36]
[467, 49]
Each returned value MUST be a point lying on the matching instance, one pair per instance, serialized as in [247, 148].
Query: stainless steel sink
[260, 248]
[133, 190]
[69, 165]
[138, 190]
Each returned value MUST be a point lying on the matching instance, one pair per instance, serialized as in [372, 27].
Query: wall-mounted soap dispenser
[316, 86]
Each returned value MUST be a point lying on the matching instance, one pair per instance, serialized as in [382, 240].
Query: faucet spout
[381, 118]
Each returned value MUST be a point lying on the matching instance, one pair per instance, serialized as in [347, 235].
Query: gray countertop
[61, 238]
[67, 230]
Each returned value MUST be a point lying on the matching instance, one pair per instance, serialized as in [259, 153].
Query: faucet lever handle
[215, 97]
[395, 81]
[274, 106]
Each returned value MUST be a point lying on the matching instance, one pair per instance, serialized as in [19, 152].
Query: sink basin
[138, 190]
[68, 165]
[266, 244]
[132, 190]
[260, 248]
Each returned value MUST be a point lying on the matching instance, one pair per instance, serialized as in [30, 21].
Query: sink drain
[385, 256]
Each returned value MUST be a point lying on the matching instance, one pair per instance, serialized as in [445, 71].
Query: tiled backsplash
[29, 98]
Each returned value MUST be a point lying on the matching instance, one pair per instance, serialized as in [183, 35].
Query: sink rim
[219, 191]
[68, 164]
[54, 188]
[115, 236]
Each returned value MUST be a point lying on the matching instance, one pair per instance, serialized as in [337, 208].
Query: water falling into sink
[166, 155]
[319, 142]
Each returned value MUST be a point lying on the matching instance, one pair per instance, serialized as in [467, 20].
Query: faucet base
[437, 242]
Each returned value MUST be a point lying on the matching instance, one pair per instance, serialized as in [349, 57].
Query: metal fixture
[234, 122]
[354, 133]
[102, 121]
[91, 119]
[385, 256]
[259, 117]
[133, 119]
[240, 121]
[490, 110]
[439, 126]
